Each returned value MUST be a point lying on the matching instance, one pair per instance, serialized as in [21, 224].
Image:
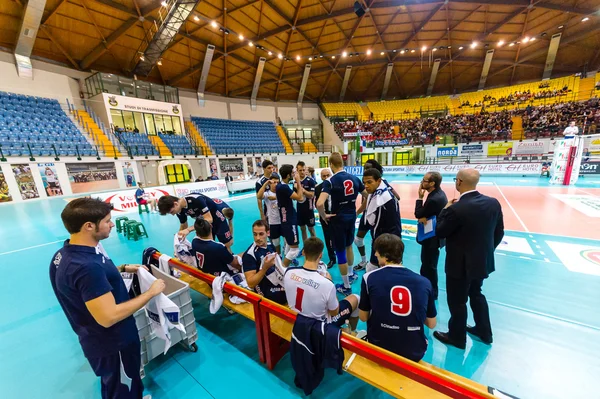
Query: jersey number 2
[348, 187]
[401, 300]
[299, 296]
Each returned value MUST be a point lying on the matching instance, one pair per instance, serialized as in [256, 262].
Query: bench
[399, 377]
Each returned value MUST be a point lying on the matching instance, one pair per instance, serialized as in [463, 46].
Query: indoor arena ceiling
[109, 36]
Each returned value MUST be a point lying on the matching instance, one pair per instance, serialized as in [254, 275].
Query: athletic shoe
[147, 397]
[343, 290]
[352, 278]
[331, 264]
[361, 266]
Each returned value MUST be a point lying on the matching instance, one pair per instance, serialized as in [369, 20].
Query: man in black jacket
[473, 227]
[430, 247]
[326, 174]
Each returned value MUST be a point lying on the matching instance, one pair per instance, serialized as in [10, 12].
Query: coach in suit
[473, 227]
[430, 247]
[326, 174]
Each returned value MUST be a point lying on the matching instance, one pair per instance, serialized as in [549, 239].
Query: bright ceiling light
[561, 26]
[382, 53]
[344, 54]
[270, 53]
[532, 39]
[196, 18]
[402, 52]
[297, 58]
[423, 48]
[434, 49]
[585, 19]
[461, 47]
[474, 44]
[310, 58]
[412, 51]
[333, 57]
[241, 36]
[501, 43]
[369, 52]
[142, 58]
[280, 56]
[512, 44]
[526, 39]
[250, 44]
[159, 62]
[213, 24]
[164, 4]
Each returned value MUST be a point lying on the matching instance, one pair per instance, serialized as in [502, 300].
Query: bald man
[473, 227]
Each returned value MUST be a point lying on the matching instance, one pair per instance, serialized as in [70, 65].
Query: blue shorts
[342, 233]
[222, 232]
[274, 231]
[344, 314]
[306, 217]
[290, 233]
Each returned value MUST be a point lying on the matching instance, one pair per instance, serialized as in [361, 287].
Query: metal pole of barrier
[2, 158]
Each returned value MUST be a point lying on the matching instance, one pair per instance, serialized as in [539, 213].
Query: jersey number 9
[401, 300]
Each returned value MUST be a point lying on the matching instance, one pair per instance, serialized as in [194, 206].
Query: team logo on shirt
[57, 259]
[306, 281]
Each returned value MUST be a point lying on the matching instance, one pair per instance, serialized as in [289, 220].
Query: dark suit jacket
[318, 189]
[473, 228]
[435, 202]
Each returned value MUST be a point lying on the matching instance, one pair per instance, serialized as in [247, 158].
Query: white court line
[511, 208]
[587, 192]
[34, 246]
[542, 253]
[241, 197]
[547, 260]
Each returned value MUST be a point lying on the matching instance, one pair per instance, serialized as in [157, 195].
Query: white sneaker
[361, 266]
[147, 397]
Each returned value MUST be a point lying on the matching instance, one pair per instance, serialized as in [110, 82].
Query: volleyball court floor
[544, 305]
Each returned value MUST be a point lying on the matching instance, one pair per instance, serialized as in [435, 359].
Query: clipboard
[426, 230]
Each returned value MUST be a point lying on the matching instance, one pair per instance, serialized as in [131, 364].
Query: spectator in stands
[136, 130]
[262, 266]
[241, 176]
[199, 179]
[228, 177]
[144, 199]
[214, 176]
[396, 302]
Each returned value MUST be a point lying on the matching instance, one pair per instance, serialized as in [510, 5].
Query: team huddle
[395, 313]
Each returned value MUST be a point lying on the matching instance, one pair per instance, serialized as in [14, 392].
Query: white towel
[217, 292]
[379, 198]
[276, 272]
[163, 264]
[162, 312]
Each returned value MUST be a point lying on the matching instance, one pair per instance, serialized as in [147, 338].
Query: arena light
[501, 43]
[250, 44]
[474, 44]
[461, 47]
[434, 49]
[159, 62]
[402, 52]
[164, 4]
[512, 44]
[213, 24]
[333, 57]
[241, 36]
[280, 56]
[585, 19]
[423, 48]
[310, 58]
[196, 18]
[526, 40]
[344, 54]
[532, 39]
[298, 58]
[561, 26]
[270, 53]
[413, 50]
[142, 58]
[369, 52]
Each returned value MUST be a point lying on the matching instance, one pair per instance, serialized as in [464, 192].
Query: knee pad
[292, 253]
[360, 242]
[275, 242]
[341, 257]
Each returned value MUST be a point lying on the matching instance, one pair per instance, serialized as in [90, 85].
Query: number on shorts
[401, 300]
[200, 259]
[349, 187]
[299, 296]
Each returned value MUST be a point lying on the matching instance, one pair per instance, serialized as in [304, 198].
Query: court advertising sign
[357, 133]
[388, 143]
[444, 152]
[530, 148]
[589, 168]
[469, 149]
[516, 169]
[500, 149]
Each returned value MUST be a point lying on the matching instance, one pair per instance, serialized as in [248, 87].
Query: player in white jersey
[267, 194]
[313, 294]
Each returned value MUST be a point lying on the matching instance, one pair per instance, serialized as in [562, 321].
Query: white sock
[346, 281]
[363, 258]
[350, 270]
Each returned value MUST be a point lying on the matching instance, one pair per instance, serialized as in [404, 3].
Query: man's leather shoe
[473, 331]
[445, 339]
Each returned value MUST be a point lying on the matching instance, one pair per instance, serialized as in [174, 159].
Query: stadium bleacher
[237, 137]
[39, 124]
[177, 144]
[138, 143]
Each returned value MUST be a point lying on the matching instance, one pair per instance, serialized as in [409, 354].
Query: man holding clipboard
[427, 214]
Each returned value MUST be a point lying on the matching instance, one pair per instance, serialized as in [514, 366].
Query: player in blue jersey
[289, 219]
[269, 197]
[341, 190]
[268, 169]
[212, 257]
[216, 211]
[363, 229]
[306, 208]
[259, 265]
[396, 302]
[382, 214]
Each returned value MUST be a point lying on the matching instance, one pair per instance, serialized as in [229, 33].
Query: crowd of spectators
[550, 120]
[85, 177]
[518, 97]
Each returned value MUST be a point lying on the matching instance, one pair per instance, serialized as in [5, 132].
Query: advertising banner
[589, 168]
[500, 149]
[91, 177]
[530, 148]
[141, 105]
[128, 174]
[517, 169]
[25, 181]
[357, 133]
[4, 193]
[212, 188]
[390, 143]
[470, 149]
[124, 200]
[446, 152]
[50, 179]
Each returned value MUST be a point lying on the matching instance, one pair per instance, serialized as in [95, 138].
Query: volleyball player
[267, 195]
[268, 169]
[306, 208]
[289, 218]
